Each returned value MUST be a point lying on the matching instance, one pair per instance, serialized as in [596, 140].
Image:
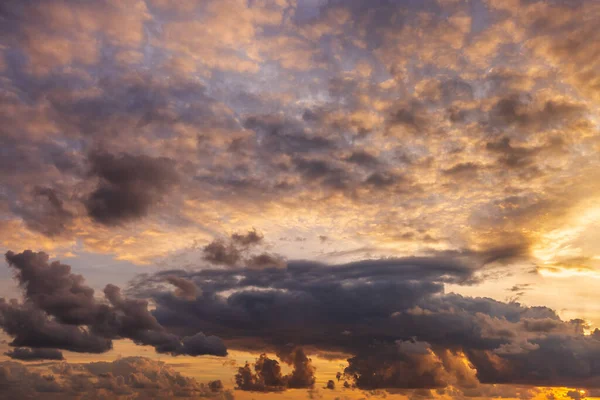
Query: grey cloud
[53, 288]
[267, 376]
[31, 327]
[391, 366]
[237, 251]
[287, 136]
[249, 239]
[25, 354]
[265, 260]
[61, 312]
[321, 172]
[411, 116]
[463, 170]
[129, 186]
[219, 252]
[513, 156]
[185, 288]
[46, 213]
[383, 180]
[523, 111]
[362, 158]
[309, 305]
[200, 344]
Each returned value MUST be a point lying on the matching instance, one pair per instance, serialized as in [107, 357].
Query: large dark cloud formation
[60, 311]
[392, 316]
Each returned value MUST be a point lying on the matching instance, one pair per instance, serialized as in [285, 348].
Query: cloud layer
[446, 124]
[126, 378]
[392, 317]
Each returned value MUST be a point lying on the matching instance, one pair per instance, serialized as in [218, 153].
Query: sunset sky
[292, 199]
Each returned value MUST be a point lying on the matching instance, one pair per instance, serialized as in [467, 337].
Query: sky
[290, 199]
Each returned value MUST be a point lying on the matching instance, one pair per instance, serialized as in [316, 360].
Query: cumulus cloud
[392, 316]
[238, 251]
[267, 376]
[125, 378]
[61, 312]
[129, 186]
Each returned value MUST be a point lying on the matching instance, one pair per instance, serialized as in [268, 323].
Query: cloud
[391, 127]
[267, 376]
[29, 326]
[405, 365]
[61, 312]
[83, 103]
[408, 334]
[185, 288]
[46, 213]
[25, 354]
[237, 250]
[249, 239]
[129, 186]
[200, 344]
[125, 378]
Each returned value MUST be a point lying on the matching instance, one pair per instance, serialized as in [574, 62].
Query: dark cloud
[29, 326]
[25, 354]
[463, 170]
[447, 91]
[362, 158]
[286, 136]
[125, 378]
[61, 312]
[408, 334]
[236, 251]
[513, 156]
[267, 376]
[322, 172]
[185, 288]
[383, 180]
[265, 260]
[129, 186]
[53, 288]
[249, 239]
[46, 213]
[406, 365]
[411, 116]
[522, 111]
[219, 252]
[200, 344]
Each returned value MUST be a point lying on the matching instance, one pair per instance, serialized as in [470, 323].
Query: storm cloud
[58, 304]
[392, 316]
